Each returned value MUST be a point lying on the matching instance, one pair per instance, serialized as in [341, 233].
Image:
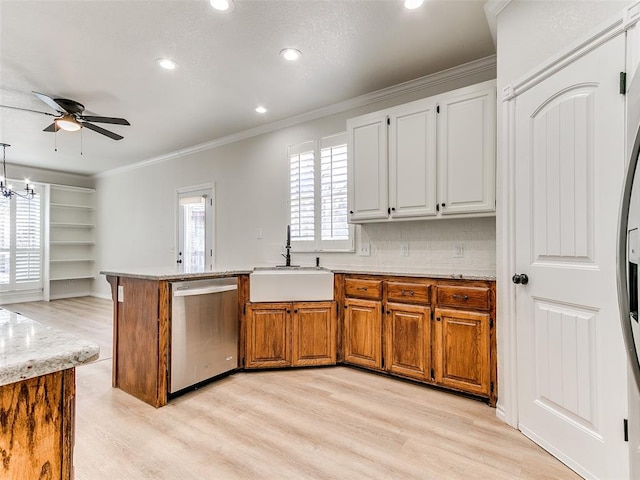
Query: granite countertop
[179, 273]
[30, 349]
[176, 273]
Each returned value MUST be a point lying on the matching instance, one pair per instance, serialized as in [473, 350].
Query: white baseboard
[105, 296]
[20, 297]
[61, 296]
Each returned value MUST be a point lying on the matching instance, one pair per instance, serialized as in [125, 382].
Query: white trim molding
[491, 10]
[429, 81]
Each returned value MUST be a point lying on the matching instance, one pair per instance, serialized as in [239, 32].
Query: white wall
[136, 211]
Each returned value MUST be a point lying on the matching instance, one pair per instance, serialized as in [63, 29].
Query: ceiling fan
[70, 117]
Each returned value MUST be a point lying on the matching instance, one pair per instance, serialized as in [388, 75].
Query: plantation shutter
[333, 187]
[5, 240]
[28, 251]
[302, 191]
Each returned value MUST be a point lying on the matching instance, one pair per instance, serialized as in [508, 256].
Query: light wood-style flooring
[322, 423]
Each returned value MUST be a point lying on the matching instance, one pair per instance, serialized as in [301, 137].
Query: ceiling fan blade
[28, 110]
[103, 131]
[52, 128]
[50, 101]
[115, 121]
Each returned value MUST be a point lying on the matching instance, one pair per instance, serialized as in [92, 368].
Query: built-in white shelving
[70, 262]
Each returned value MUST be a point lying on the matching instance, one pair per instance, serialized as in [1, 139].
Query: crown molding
[429, 81]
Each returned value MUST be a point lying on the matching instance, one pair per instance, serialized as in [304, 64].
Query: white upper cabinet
[367, 167]
[412, 160]
[439, 159]
[466, 151]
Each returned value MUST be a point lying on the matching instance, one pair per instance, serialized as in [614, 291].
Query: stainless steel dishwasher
[204, 330]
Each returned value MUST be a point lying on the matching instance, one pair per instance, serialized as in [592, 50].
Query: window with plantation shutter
[20, 243]
[318, 195]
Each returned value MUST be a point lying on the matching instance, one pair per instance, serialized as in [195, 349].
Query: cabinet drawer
[359, 288]
[476, 298]
[408, 292]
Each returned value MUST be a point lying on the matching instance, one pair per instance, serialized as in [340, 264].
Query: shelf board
[71, 225]
[69, 206]
[72, 243]
[73, 260]
[72, 277]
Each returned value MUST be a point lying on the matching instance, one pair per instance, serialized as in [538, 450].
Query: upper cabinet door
[412, 159]
[367, 167]
[466, 156]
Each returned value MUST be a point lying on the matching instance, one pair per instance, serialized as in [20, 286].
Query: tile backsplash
[443, 246]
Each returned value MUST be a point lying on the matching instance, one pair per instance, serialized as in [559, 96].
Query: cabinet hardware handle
[388, 312]
[461, 297]
[346, 306]
[351, 212]
[407, 292]
[438, 319]
[364, 289]
[295, 311]
[288, 311]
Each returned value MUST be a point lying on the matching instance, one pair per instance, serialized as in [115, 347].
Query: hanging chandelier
[7, 190]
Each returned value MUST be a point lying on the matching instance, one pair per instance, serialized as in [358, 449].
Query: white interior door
[568, 177]
[195, 229]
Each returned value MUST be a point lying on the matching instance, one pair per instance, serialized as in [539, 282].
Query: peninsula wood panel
[268, 335]
[137, 348]
[408, 340]
[313, 339]
[363, 332]
[461, 350]
[37, 427]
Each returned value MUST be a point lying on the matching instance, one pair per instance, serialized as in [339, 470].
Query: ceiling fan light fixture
[261, 109]
[291, 54]
[68, 123]
[222, 5]
[413, 4]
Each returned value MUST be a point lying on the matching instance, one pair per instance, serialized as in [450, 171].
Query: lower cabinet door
[267, 335]
[408, 340]
[313, 334]
[363, 332]
[462, 350]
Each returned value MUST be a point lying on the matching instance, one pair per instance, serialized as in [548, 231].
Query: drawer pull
[460, 297]
[409, 293]
[364, 289]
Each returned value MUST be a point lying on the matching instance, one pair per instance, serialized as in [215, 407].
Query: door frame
[507, 407]
[212, 224]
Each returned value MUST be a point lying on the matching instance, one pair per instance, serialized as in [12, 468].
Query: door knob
[521, 279]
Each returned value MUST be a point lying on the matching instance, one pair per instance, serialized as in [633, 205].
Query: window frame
[318, 245]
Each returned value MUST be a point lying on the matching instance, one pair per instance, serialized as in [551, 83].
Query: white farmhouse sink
[290, 285]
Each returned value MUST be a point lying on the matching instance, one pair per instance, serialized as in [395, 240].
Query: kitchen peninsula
[434, 329]
[37, 397]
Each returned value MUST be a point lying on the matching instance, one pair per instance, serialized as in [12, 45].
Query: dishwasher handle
[188, 292]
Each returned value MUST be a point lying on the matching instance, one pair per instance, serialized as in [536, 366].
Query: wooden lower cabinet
[462, 350]
[408, 340]
[362, 340]
[313, 340]
[38, 425]
[267, 335]
[290, 334]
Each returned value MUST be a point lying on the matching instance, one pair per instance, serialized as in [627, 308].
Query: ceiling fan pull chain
[81, 142]
[55, 139]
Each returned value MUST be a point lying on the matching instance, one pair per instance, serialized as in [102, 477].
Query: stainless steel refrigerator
[628, 260]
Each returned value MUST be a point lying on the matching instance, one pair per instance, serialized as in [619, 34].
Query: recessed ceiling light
[291, 54]
[413, 4]
[222, 5]
[166, 63]
[261, 109]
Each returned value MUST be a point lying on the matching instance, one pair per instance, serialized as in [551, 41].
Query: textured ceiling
[101, 53]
